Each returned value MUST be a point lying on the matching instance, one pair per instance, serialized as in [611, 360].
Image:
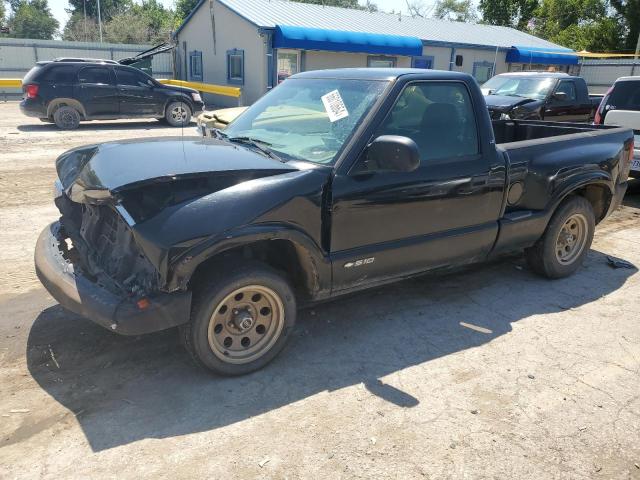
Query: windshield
[534, 88]
[308, 119]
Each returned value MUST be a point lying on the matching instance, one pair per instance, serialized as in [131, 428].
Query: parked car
[68, 91]
[217, 119]
[549, 96]
[390, 173]
[621, 106]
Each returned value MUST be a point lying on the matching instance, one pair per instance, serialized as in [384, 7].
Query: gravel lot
[488, 373]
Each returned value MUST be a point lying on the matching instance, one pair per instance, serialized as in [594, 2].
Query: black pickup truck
[551, 96]
[334, 181]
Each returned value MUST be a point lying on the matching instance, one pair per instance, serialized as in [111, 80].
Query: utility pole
[84, 5]
[99, 21]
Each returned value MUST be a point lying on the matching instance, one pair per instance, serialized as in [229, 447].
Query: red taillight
[597, 119]
[31, 91]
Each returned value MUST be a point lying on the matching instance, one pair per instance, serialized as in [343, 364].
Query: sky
[58, 7]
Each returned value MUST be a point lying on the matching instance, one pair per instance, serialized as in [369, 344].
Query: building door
[288, 63]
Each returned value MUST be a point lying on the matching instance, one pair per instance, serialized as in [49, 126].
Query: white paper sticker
[334, 106]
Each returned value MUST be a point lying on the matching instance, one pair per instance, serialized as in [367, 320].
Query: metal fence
[18, 55]
[600, 74]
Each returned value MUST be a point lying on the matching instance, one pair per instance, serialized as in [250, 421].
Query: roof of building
[269, 13]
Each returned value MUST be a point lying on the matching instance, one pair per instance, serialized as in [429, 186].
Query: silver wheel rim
[179, 113]
[571, 239]
[246, 324]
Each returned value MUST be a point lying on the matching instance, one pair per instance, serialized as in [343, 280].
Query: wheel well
[598, 196]
[65, 102]
[282, 255]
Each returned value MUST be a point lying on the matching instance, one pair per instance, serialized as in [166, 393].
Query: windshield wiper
[258, 144]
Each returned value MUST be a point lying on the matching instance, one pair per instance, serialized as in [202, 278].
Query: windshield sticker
[334, 106]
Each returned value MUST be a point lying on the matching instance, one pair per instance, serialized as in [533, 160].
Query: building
[257, 43]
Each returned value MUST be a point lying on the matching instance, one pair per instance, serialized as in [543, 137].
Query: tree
[32, 19]
[578, 24]
[341, 3]
[81, 29]
[456, 10]
[417, 8]
[183, 9]
[127, 28]
[508, 13]
[629, 14]
[108, 8]
[158, 19]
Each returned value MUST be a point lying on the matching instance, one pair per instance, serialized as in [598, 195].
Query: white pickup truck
[621, 106]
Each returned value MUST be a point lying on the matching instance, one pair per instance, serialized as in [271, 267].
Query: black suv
[66, 91]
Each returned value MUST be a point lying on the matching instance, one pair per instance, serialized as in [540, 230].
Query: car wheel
[241, 319]
[178, 114]
[67, 118]
[566, 241]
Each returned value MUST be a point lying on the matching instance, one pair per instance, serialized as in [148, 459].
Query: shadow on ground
[150, 124]
[124, 389]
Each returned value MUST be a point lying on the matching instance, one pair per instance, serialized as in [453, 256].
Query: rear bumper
[33, 107]
[85, 297]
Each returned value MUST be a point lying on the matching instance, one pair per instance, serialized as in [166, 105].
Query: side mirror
[393, 153]
[561, 96]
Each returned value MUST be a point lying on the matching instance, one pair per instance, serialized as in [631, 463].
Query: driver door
[137, 94]
[391, 224]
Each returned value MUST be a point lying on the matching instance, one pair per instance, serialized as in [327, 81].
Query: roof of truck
[379, 73]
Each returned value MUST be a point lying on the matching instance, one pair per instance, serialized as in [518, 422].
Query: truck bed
[510, 131]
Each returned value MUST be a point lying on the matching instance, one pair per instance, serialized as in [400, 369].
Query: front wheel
[241, 319]
[565, 243]
[178, 114]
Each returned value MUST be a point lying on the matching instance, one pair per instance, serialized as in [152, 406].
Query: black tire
[178, 114]
[66, 118]
[545, 257]
[199, 334]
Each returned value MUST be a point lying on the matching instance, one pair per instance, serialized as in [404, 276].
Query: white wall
[231, 31]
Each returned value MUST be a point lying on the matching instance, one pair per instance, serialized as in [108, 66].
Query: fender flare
[599, 178]
[314, 263]
[54, 104]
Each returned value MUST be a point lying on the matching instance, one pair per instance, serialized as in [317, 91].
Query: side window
[195, 65]
[381, 61]
[235, 67]
[60, 74]
[569, 88]
[94, 75]
[131, 77]
[438, 116]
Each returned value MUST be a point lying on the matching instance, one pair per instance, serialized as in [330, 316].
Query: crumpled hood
[504, 103]
[98, 171]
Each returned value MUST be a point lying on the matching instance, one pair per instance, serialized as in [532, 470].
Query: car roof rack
[85, 60]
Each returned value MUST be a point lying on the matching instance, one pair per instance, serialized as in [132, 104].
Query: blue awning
[342, 41]
[546, 56]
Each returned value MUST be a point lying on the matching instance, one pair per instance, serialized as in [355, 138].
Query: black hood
[503, 103]
[96, 172]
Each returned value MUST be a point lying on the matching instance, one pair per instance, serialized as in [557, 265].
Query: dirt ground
[488, 373]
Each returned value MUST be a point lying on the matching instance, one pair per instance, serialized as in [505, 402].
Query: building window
[195, 65]
[288, 64]
[381, 61]
[482, 71]
[235, 67]
[422, 62]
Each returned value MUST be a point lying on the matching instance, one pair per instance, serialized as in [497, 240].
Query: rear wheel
[178, 114]
[565, 243]
[67, 118]
[241, 319]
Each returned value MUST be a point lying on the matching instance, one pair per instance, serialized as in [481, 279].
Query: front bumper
[85, 297]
